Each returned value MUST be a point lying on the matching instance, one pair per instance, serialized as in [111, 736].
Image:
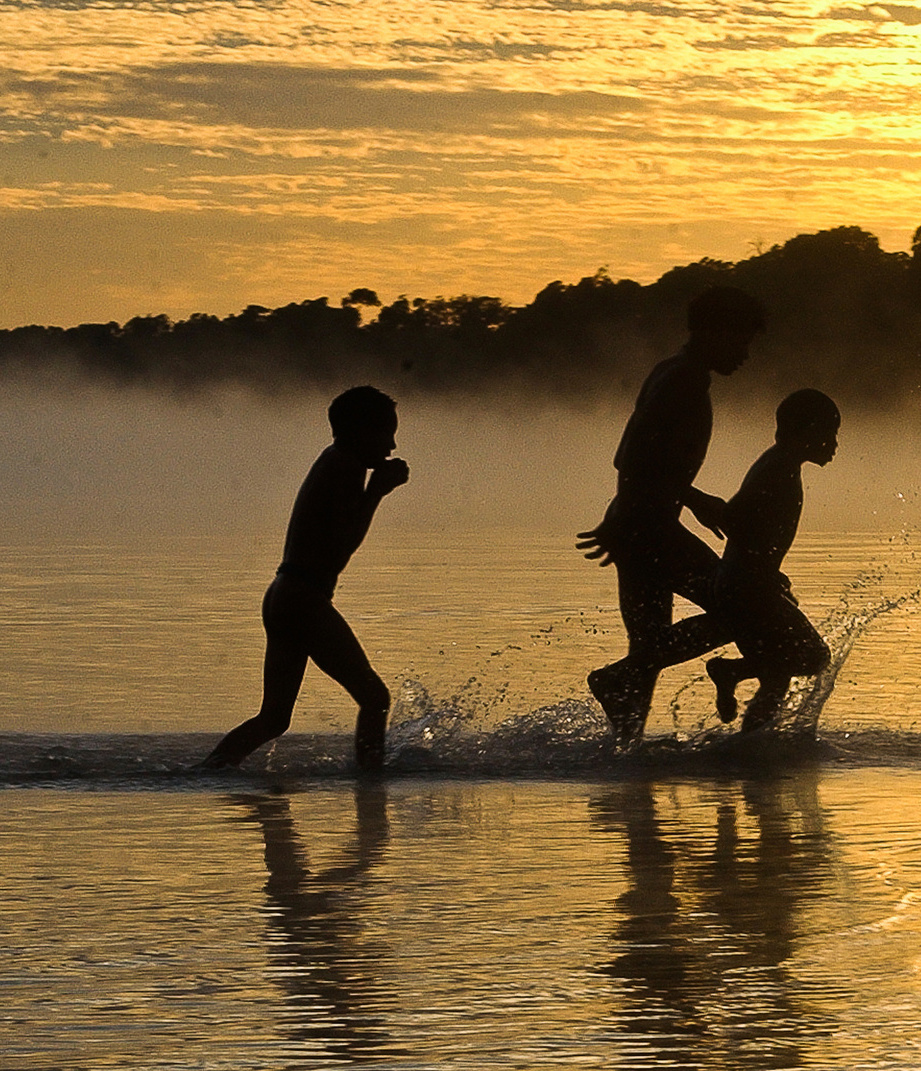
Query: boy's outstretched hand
[598, 542]
[710, 511]
[594, 544]
[389, 474]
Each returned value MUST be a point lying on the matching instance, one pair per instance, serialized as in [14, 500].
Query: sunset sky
[206, 155]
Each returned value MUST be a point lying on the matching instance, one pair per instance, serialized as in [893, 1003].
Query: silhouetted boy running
[660, 453]
[753, 596]
[331, 516]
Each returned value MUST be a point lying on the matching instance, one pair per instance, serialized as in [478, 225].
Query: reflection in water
[175, 929]
[319, 954]
[705, 932]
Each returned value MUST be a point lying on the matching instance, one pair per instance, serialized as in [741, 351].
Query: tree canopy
[844, 316]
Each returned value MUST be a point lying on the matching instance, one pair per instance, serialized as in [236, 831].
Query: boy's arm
[385, 478]
[710, 510]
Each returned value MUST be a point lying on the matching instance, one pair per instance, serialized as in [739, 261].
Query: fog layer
[84, 464]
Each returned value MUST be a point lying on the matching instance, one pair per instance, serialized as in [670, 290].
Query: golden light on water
[160, 157]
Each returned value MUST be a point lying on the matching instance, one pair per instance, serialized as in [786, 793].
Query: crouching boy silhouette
[331, 516]
[752, 595]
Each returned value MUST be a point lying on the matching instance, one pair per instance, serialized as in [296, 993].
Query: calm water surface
[499, 624]
[765, 922]
[511, 895]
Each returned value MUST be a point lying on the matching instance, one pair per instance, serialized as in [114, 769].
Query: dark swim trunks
[314, 578]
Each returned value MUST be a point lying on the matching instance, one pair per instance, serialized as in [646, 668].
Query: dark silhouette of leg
[764, 705]
[778, 642]
[287, 649]
[628, 685]
[283, 673]
[676, 563]
[340, 656]
[300, 625]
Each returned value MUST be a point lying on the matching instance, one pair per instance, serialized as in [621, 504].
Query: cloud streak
[475, 146]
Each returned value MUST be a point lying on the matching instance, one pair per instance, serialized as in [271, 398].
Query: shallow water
[495, 625]
[651, 921]
[512, 894]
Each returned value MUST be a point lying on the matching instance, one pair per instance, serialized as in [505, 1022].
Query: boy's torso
[762, 519]
[320, 534]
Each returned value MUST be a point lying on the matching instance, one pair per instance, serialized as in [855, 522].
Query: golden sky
[205, 155]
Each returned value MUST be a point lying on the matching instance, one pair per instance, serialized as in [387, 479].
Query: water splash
[691, 709]
[841, 629]
[428, 734]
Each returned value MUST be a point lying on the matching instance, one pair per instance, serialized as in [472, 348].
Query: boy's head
[807, 423]
[722, 322]
[364, 421]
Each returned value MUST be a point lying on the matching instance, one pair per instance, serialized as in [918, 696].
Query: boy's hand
[710, 511]
[388, 475]
[598, 542]
[594, 544]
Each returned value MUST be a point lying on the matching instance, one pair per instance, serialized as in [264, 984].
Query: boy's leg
[286, 653]
[625, 688]
[681, 564]
[336, 650]
[676, 562]
[782, 645]
[301, 625]
[688, 568]
[765, 703]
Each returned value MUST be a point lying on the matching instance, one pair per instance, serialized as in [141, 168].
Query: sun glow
[466, 146]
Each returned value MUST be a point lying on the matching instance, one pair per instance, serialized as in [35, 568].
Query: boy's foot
[720, 671]
[760, 712]
[616, 687]
[370, 741]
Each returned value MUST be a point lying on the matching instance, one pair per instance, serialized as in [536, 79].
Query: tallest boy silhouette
[660, 454]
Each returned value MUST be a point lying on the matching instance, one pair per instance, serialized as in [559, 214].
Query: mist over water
[84, 463]
[142, 530]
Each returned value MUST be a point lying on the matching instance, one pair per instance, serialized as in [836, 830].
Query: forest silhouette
[844, 316]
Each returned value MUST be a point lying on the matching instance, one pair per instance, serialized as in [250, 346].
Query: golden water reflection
[753, 923]
[334, 1003]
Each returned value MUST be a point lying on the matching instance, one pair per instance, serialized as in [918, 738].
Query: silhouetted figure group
[745, 596]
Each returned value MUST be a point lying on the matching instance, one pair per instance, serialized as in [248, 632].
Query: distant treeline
[843, 315]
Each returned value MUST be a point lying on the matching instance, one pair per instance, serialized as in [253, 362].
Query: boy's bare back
[332, 512]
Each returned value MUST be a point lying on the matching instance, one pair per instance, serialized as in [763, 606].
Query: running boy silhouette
[661, 451]
[753, 596]
[331, 516]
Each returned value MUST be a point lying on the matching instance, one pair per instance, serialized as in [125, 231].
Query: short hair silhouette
[726, 308]
[807, 408]
[358, 407]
